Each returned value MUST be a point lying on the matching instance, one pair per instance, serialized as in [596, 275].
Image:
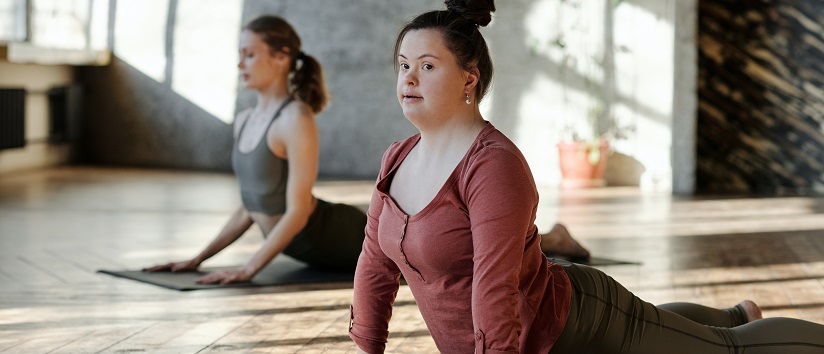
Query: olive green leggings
[607, 318]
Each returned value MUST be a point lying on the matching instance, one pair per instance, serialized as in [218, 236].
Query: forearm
[278, 239]
[238, 223]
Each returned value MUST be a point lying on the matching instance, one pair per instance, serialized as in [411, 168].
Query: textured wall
[761, 97]
[133, 120]
[157, 105]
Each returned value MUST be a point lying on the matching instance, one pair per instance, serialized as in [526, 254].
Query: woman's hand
[185, 266]
[223, 277]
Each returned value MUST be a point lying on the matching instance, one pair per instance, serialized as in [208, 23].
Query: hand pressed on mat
[184, 266]
[223, 277]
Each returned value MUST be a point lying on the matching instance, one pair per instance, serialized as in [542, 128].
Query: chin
[412, 116]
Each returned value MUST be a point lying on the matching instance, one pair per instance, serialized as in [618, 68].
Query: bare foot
[559, 241]
[751, 309]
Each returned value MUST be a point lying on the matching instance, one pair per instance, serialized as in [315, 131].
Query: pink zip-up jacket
[471, 257]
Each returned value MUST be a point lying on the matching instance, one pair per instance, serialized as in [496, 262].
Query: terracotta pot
[577, 170]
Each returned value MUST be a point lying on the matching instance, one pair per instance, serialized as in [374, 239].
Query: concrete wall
[38, 152]
[151, 110]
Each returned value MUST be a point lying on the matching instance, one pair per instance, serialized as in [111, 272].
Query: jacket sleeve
[501, 199]
[377, 280]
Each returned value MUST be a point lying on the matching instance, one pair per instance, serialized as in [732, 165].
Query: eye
[428, 67]
[404, 66]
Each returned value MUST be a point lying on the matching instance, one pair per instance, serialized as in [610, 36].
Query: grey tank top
[262, 175]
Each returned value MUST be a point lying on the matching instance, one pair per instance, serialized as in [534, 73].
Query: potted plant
[585, 145]
[583, 161]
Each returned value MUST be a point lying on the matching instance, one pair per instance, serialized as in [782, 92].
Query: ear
[280, 56]
[471, 78]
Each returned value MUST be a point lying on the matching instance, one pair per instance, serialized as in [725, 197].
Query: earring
[468, 101]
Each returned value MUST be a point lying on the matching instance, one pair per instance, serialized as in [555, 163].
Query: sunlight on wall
[558, 101]
[644, 81]
[205, 54]
[539, 129]
[140, 33]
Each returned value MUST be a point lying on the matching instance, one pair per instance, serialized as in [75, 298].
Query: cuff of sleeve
[374, 342]
[480, 345]
[368, 345]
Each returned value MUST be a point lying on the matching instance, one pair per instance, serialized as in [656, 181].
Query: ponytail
[307, 82]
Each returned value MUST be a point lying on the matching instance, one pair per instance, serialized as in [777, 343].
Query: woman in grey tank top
[275, 158]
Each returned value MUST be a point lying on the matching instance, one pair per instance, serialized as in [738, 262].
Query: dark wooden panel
[761, 97]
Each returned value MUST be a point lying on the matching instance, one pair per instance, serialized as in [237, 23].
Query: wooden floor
[58, 226]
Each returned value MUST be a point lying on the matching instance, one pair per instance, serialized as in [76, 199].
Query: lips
[411, 97]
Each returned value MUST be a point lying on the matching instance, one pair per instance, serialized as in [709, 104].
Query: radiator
[12, 118]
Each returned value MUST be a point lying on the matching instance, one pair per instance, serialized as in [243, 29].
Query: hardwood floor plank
[29, 274]
[179, 336]
[65, 270]
[7, 279]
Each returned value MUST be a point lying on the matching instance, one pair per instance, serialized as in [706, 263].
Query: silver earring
[468, 101]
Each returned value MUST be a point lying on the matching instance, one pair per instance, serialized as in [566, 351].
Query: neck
[458, 131]
[272, 96]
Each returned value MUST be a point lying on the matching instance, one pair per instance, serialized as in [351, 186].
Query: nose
[240, 63]
[410, 78]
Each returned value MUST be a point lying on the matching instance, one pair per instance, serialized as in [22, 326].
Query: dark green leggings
[332, 238]
[607, 318]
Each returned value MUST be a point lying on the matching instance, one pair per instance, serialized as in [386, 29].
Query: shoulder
[297, 122]
[495, 159]
[495, 148]
[297, 112]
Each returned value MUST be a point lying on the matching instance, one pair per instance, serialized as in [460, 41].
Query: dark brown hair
[458, 25]
[307, 75]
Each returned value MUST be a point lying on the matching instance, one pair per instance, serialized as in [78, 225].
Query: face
[259, 65]
[431, 84]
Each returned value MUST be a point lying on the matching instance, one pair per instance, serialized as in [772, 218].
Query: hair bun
[477, 11]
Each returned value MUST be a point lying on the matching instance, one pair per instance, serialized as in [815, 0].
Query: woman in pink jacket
[453, 211]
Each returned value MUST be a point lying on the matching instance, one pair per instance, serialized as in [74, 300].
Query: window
[55, 31]
[13, 20]
[69, 24]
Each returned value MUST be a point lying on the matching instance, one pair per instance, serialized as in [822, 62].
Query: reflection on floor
[58, 226]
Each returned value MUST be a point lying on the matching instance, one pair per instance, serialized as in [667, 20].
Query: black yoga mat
[282, 271]
[593, 261]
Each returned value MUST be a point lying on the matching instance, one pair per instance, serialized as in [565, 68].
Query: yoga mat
[593, 261]
[282, 271]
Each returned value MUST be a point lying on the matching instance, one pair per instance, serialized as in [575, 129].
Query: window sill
[26, 53]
